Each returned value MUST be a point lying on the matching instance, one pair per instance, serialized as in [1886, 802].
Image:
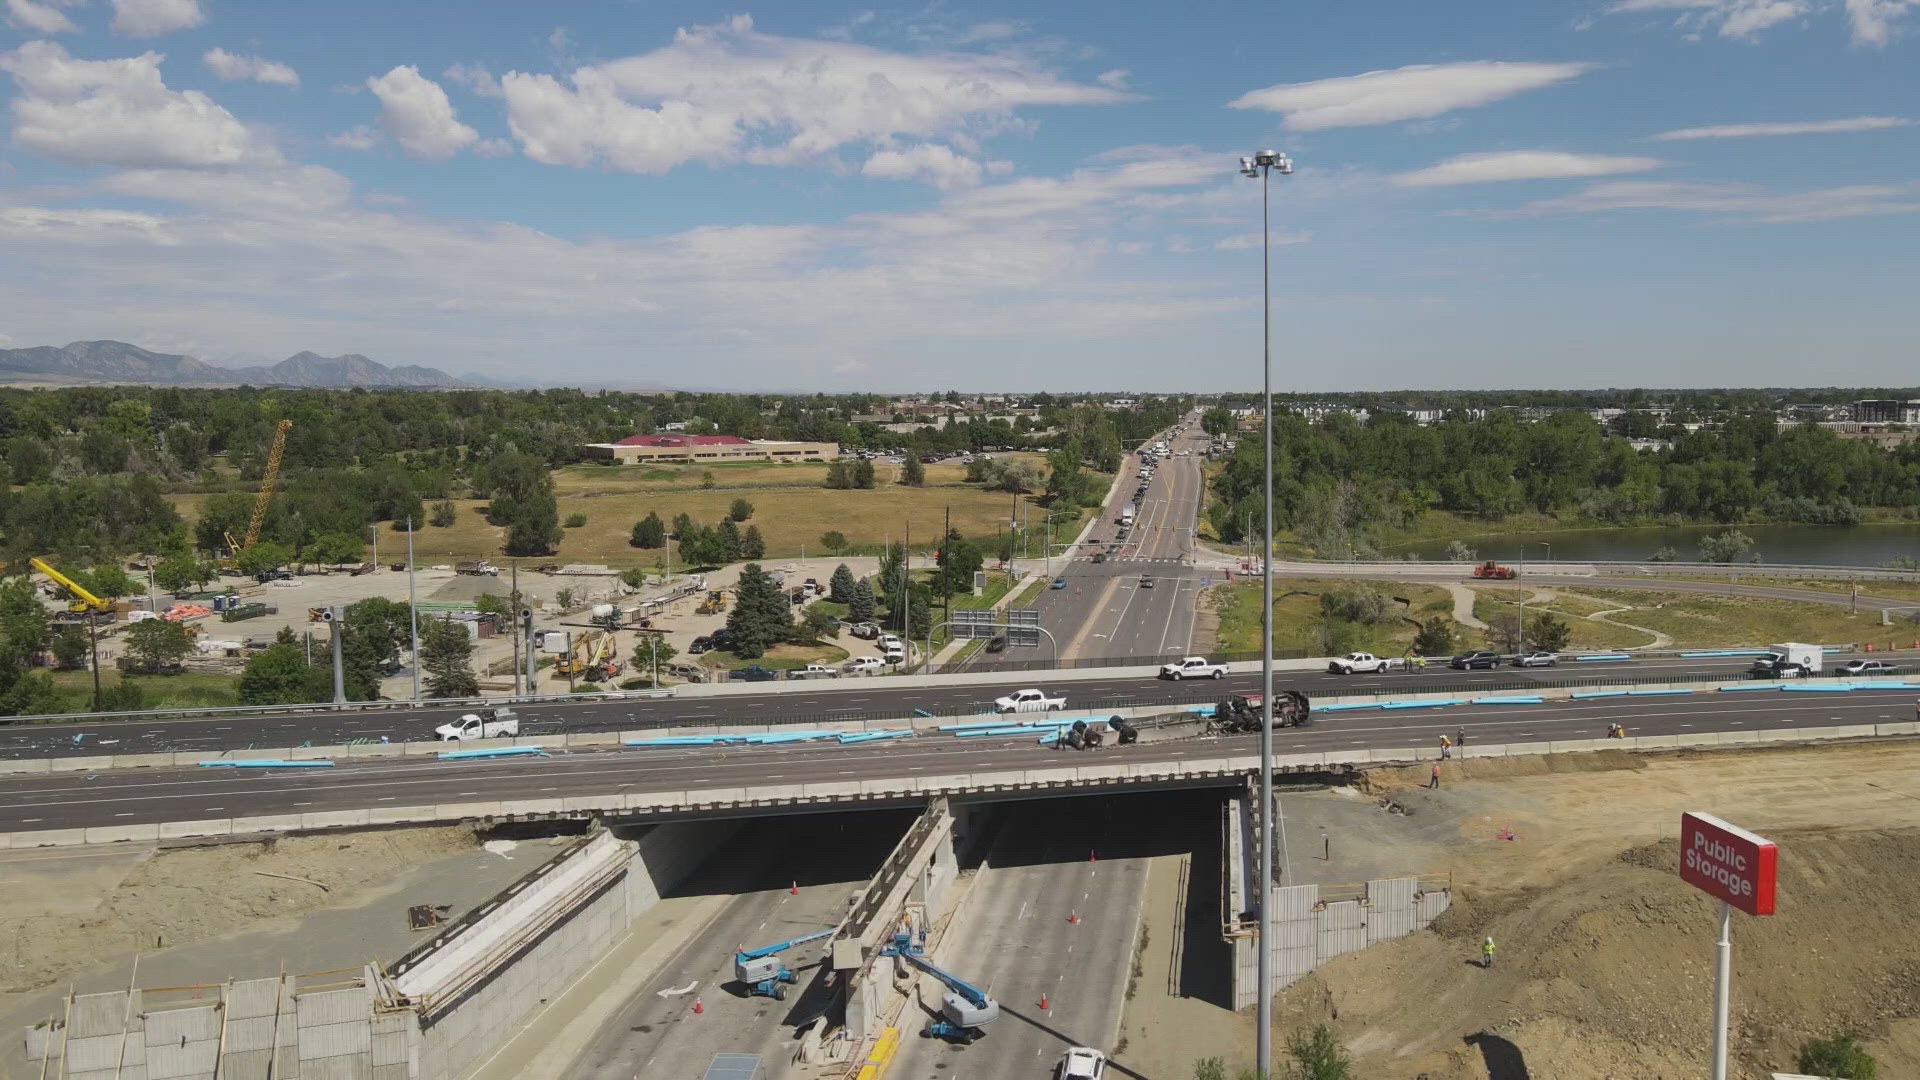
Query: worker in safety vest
[1486, 954]
[1446, 748]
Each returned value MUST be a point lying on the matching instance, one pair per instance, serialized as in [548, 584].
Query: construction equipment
[964, 1010]
[1494, 571]
[1240, 713]
[82, 599]
[579, 657]
[715, 603]
[267, 481]
[763, 973]
[605, 663]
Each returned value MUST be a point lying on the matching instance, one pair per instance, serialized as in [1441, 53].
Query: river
[1813, 545]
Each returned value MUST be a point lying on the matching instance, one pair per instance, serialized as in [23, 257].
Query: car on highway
[753, 673]
[485, 724]
[1099, 556]
[1028, 701]
[1363, 663]
[1146, 582]
[1081, 1063]
[1058, 583]
[1478, 658]
[865, 665]
[1866, 667]
[1537, 658]
[1193, 667]
[997, 643]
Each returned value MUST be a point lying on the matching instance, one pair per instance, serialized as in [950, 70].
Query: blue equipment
[763, 973]
[964, 1010]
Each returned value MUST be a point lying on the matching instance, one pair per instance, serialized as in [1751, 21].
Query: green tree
[706, 481]
[727, 541]
[25, 629]
[861, 474]
[332, 549]
[860, 605]
[1318, 1055]
[223, 514]
[913, 473]
[263, 557]
[153, 644]
[279, 675]
[109, 582]
[1436, 637]
[634, 578]
[741, 510]
[1549, 632]
[833, 541]
[104, 452]
[70, 648]
[919, 615]
[443, 515]
[32, 694]
[499, 606]
[28, 460]
[761, 617]
[1728, 547]
[376, 631]
[682, 523]
[1838, 1056]
[839, 474]
[648, 532]
[652, 649]
[840, 585]
[959, 560]
[817, 623]
[752, 544]
[1460, 553]
[446, 658]
[520, 497]
[575, 521]
[181, 573]
[698, 546]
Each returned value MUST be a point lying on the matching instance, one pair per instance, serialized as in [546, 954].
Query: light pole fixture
[1261, 166]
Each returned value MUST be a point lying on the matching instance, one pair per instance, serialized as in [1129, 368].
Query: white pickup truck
[814, 671]
[485, 724]
[1363, 663]
[1028, 701]
[1193, 667]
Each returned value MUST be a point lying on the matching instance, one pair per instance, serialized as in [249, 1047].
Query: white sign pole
[1722, 988]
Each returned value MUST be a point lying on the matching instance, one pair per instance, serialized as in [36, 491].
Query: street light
[1261, 166]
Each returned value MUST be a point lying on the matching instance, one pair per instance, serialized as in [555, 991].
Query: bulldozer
[1240, 714]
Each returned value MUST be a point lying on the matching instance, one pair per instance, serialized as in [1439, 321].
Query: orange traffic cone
[698, 1007]
[1073, 917]
[1091, 857]
[1043, 1001]
[795, 891]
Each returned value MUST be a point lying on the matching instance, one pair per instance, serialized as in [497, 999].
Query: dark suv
[1479, 658]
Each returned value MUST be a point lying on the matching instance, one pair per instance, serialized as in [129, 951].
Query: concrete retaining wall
[1309, 931]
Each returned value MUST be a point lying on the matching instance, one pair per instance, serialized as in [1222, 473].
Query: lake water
[1814, 545]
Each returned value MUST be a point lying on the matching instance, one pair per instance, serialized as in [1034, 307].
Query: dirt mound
[1610, 974]
[194, 894]
[1396, 778]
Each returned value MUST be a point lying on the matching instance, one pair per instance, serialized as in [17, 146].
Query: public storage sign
[1728, 862]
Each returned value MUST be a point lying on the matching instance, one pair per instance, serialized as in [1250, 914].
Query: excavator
[762, 971]
[965, 1009]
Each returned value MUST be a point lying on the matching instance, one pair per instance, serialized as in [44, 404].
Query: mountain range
[119, 362]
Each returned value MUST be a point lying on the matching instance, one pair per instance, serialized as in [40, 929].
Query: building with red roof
[695, 449]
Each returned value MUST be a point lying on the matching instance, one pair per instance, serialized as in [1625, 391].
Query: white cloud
[727, 93]
[151, 18]
[938, 164]
[416, 112]
[231, 66]
[41, 16]
[120, 112]
[1873, 20]
[1742, 201]
[1791, 127]
[474, 77]
[1407, 93]
[1244, 241]
[998, 30]
[1115, 79]
[1522, 165]
[358, 137]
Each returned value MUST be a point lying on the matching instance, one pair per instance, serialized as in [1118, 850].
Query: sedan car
[1081, 1063]
[1537, 658]
[1146, 582]
[1058, 583]
[1479, 658]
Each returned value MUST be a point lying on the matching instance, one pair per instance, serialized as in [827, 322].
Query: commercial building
[1885, 411]
[696, 449]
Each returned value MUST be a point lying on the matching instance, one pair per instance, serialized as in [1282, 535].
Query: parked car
[1537, 658]
[1363, 663]
[1479, 658]
[865, 630]
[703, 643]
[1029, 701]
[815, 671]
[865, 665]
[753, 673]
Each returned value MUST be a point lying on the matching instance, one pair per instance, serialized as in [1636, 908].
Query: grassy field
[1296, 611]
[608, 479]
[162, 691]
[1716, 621]
[1493, 605]
[1896, 590]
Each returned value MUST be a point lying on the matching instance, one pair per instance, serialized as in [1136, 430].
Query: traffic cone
[1043, 1001]
[1091, 857]
[698, 1007]
[1073, 917]
[795, 890]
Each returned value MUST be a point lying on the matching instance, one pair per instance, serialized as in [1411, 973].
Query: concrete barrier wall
[1309, 931]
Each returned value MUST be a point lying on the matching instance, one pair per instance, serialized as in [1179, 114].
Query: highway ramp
[829, 857]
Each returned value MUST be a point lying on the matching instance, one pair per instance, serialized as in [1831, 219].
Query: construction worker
[1460, 738]
[1486, 954]
[1446, 748]
[1435, 782]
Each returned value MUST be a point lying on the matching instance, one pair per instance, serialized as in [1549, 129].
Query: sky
[836, 197]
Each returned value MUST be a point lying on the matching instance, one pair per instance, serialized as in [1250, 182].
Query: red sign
[1728, 862]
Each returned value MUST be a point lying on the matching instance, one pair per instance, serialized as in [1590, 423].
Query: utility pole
[515, 610]
[375, 529]
[93, 647]
[526, 616]
[334, 619]
[413, 615]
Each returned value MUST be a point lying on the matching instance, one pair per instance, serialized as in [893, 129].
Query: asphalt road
[1053, 861]
[137, 796]
[829, 857]
[852, 699]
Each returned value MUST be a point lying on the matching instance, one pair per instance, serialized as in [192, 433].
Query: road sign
[1728, 863]
[1023, 628]
[972, 624]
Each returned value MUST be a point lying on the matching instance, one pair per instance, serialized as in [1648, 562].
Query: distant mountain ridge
[119, 362]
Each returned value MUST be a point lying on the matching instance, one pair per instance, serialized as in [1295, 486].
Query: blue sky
[1508, 193]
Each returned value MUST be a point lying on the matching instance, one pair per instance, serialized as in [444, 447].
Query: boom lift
[82, 599]
[964, 1009]
[267, 481]
[762, 971]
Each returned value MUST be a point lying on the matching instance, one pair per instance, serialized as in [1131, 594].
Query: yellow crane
[267, 481]
[83, 600]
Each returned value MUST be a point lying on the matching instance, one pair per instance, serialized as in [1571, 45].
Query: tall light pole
[1261, 166]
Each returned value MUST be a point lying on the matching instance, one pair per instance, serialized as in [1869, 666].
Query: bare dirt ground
[1605, 957]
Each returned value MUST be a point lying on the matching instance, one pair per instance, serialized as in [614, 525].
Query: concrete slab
[534, 806]
[834, 789]
[1402, 754]
[39, 765]
[578, 803]
[720, 796]
[1896, 729]
[1576, 746]
[466, 810]
[266, 823]
[79, 764]
[395, 815]
[1651, 741]
[1852, 731]
[205, 827]
[49, 838]
[594, 738]
[334, 819]
[997, 779]
[115, 834]
[141, 761]
[314, 753]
